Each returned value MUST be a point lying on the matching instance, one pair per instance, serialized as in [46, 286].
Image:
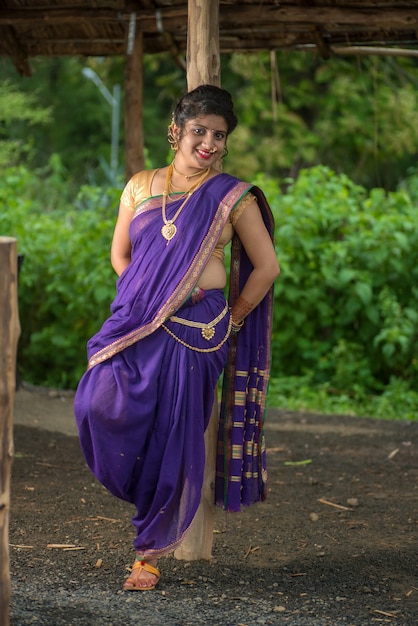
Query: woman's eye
[220, 136]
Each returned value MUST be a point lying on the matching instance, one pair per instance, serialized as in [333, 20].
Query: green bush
[346, 300]
[345, 303]
[66, 282]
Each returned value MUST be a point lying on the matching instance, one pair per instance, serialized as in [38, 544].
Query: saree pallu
[143, 405]
[161, 274]
[241, 465]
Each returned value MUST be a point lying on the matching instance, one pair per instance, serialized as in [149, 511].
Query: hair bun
[205, 100]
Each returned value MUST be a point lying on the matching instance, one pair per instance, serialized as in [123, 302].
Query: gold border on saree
[207, 330]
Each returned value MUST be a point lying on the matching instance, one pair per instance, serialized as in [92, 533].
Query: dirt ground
[335, 542]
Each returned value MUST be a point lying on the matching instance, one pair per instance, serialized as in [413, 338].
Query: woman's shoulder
[138, 188]
[143, 178]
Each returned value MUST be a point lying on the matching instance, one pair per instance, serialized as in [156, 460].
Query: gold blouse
[138, 189]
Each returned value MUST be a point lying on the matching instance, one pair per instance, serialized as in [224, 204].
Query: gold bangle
[237, 324]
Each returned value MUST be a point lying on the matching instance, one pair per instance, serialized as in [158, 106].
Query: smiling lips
[206, 154]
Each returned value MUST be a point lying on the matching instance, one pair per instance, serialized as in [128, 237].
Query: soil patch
[335, 542]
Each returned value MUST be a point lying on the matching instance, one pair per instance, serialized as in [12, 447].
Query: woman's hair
[205, 100]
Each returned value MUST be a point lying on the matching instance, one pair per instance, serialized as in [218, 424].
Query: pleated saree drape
[146, 398]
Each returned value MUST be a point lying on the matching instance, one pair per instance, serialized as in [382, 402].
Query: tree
[356, 115]
[18, 108]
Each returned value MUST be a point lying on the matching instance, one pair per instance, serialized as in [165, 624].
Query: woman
[144, 403]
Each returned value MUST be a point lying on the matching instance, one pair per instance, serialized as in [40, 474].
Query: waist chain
[207, 330]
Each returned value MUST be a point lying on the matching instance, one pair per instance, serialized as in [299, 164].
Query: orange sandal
[141, 565]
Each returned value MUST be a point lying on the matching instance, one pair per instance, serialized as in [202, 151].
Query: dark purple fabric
[141, 417]
[162, 274]
[241, 471]
[144, 403]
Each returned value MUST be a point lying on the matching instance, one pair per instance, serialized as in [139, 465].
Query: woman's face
[202, 140]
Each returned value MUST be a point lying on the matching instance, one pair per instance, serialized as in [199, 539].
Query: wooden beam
[82, 30]
[373, 50]
[134, 135]
[325, 16]
[9, 335]
[253, 14]
[50, 15]
[17, 52]
[53, 16]
[232, 42]
[169, 42]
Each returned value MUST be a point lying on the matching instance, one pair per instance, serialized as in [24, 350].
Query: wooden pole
[373, 50]
[203, 53]
[9, 335]
[203, 67]
[134, 136]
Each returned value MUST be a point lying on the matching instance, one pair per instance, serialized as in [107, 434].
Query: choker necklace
[179, 191]
[186, 176]
[169, 229]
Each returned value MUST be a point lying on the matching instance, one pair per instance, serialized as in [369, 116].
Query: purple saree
[241, 472]
[146, 398]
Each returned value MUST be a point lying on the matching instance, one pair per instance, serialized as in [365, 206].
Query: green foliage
[345, 303]
[66, 283]
[17, 107]
[356, 115]
[346, 300]
[397, 401]
[80, 127]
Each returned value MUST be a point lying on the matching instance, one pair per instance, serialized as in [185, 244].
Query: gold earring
[172, 139]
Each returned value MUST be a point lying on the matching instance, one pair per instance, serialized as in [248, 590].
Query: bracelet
[236, 326]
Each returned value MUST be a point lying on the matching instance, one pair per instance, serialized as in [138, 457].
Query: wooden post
[134, 135]
[9, 335]
[203, 55]
[198, 541]
[203, 67]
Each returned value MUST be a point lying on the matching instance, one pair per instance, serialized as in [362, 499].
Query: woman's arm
[120, 253]
[257, 243]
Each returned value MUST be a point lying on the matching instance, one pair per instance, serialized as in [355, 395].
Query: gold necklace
[169, 229]
[173, 189]
[186, 176]
[173, 186]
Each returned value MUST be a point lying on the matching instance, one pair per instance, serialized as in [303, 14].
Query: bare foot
[144, 576]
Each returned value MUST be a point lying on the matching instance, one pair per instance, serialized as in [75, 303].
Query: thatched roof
[30, 28]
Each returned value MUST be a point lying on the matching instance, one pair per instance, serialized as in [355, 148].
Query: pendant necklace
[169, 229]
